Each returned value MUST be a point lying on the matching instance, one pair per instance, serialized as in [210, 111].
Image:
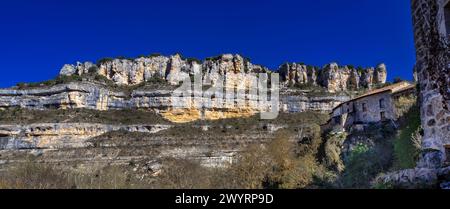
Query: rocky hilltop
[149, 83]
[175, 68]
[120, 113]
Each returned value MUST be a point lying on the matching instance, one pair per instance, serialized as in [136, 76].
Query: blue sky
[38, 36]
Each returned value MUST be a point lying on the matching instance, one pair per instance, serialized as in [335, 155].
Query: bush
[398, 80]
[407, 142]
[333, 144]
[104, 60]
[63, 79]
[110, 177]
[250, 170]
[404, 104]
[183, 174]
[154, 55]
[214, 58]
[275, 166]
[362, 166]
[191, 60]
[32, 175]
[93, 70]
[360, 69]
[156, 80]
[288, 171]
[310, 142]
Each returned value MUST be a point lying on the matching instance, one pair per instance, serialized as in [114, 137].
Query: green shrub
[362, 166]
[124, 58]
[407, 142]
[93, 70]
[104, 60]
[398, 80]
[156, 80]
[215, 58]
[154, 55]
[191, 60]
[404, 104]
[333, 144]
[63, 79]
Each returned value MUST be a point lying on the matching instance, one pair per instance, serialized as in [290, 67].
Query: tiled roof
[394, 88]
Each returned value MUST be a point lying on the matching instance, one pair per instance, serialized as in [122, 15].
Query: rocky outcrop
[410, 179]
[62, 135]
[112, 84]
[97, 97]
[418, 178]
[298, 74]
[336, 78]
[297, 103]
[234, 68]
[380, 74]
[94, 144]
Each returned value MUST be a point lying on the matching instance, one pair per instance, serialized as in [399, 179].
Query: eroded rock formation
[97, 97]
[235, 68]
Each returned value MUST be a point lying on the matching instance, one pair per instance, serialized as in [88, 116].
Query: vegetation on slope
[127, 116]
[408, 140]
[35, 175]
[62, 79]
[154, 83]
[358, 156]
[287, 161]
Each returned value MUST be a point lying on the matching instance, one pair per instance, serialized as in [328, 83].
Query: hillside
[117, 118]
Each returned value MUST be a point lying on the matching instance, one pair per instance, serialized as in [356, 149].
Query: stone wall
[433, 74]
[353, 112]
[373, 108]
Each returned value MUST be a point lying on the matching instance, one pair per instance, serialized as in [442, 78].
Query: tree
[398, 80]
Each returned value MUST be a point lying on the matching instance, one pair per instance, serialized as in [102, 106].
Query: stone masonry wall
[432, 51]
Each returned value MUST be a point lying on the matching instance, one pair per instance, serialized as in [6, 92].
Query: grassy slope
[404, 150]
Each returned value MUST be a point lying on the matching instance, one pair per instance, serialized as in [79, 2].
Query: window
[383, 115]
[364, 107]
[382, 103]
[447, 18]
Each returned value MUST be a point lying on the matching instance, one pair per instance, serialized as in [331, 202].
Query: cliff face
[63, 135]
[336, 78]
[235, 67]
[129, 75]
[97, 97]
[95, 144]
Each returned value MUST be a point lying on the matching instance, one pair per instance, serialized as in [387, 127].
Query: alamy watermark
[254, 90]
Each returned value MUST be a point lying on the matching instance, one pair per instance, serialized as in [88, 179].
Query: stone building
[431, 19]
[372, 107]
